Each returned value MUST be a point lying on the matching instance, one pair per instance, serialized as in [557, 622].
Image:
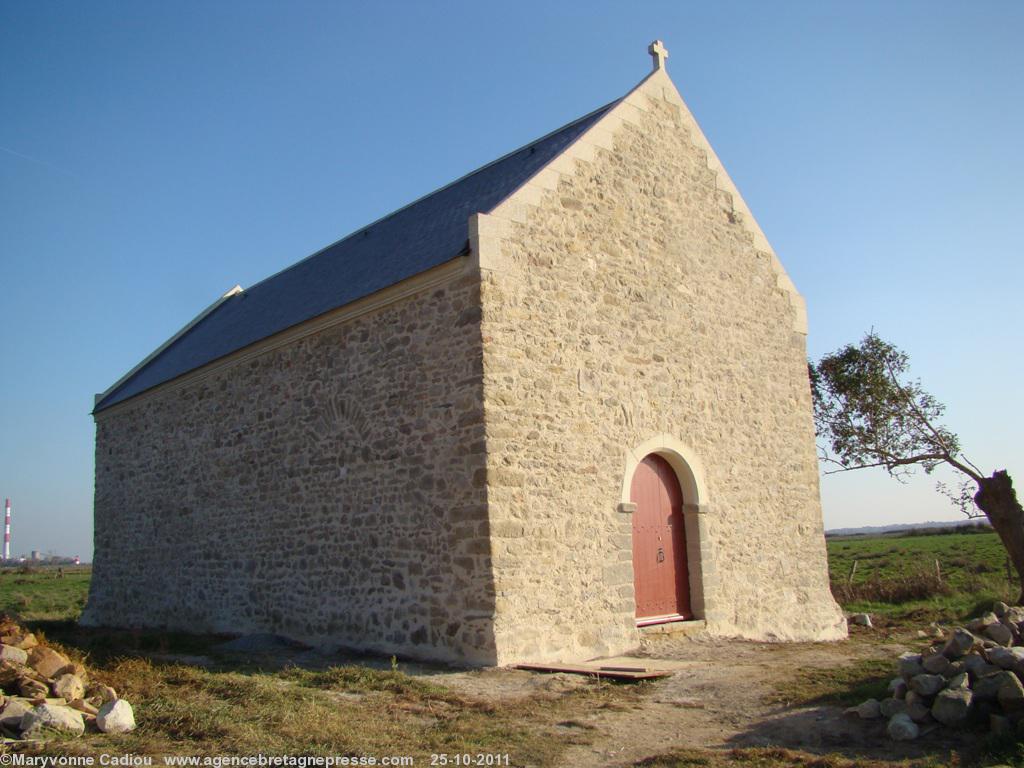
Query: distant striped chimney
[7, 529]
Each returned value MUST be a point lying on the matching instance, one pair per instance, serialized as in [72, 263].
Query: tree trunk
[997, 499]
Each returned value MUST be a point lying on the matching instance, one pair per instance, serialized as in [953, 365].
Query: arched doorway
[660, 574]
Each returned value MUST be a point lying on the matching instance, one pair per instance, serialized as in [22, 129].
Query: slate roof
[423, 235]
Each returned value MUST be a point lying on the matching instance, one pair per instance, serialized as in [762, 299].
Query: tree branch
[888, 464]
[973, 466]
[975, 474]
[913, 406]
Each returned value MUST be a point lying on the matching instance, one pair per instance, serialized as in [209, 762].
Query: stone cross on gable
[659, 53]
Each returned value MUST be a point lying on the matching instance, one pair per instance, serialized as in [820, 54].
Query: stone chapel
[554, 403]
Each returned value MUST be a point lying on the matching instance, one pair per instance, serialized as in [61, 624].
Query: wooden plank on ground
[613, 673]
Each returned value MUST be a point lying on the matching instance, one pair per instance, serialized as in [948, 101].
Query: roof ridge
[607, 108]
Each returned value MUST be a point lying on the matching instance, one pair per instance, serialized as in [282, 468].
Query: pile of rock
[972, 675]
[43, 690]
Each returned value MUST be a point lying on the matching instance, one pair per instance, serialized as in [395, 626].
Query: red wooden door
[660, 577]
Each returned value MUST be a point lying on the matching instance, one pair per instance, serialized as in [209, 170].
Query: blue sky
[152, 155]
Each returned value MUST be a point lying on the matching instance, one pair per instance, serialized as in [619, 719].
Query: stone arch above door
[682, 458]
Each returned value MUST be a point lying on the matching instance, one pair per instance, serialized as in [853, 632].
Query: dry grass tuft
[902, 588]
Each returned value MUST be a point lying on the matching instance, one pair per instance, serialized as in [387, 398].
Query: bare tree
[869, 413]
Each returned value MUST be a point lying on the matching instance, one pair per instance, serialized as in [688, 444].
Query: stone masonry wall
[331, 490]
[631, 302]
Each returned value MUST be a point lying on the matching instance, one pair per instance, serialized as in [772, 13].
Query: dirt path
[720, 700]
[720, 697]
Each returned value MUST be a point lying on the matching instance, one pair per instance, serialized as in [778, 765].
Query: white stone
[987, 688]
[869, 710]
[936, 664]
[898, 687]
[957, 682]
[10, 653]
[116, 717]
[101, 691]
[910, 665]
[44, 717]
[999, 634]
[1005, 658]
[47, 661]
[902, 728]
[1011, 694]
[12, 713]
[951, 707]
[68, 687]
[927, 685]
[960, 642]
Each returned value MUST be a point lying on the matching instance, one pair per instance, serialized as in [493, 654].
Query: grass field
[897, 576]
[38, 593]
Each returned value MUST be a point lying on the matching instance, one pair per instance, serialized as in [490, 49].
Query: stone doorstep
[681, 628]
